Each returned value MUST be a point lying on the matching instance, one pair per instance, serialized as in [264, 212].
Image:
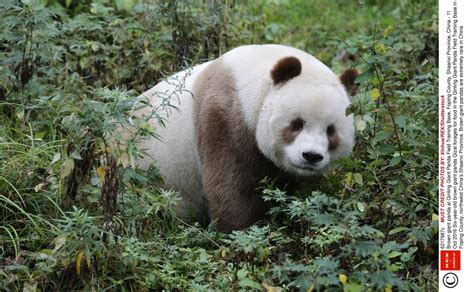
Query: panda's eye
[296, 125]
[331, 130]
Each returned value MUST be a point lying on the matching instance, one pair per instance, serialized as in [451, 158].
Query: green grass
[69, 76]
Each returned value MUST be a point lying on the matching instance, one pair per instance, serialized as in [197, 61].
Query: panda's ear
[348, 78]
[285, 69]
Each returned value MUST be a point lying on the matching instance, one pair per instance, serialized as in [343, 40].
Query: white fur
[176, 154]
[316, 96]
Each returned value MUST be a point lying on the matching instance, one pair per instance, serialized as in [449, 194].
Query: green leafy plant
[77, 214]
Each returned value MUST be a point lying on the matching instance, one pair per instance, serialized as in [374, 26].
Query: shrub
[76, 213]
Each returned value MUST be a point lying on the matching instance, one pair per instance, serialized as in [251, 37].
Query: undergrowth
[76, 214]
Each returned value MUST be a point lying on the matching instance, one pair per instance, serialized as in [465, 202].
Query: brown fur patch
[333, 142]
[232, 164]
[348, 78]
[289, 135]
[286, 69]
[291, 132]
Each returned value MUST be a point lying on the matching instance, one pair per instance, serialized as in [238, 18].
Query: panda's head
[302, 124]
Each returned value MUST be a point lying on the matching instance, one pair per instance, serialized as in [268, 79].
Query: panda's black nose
[312, 157]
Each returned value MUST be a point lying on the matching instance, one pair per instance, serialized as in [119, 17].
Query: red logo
[450, 260]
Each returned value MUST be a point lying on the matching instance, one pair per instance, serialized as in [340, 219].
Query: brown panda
[256, 111]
